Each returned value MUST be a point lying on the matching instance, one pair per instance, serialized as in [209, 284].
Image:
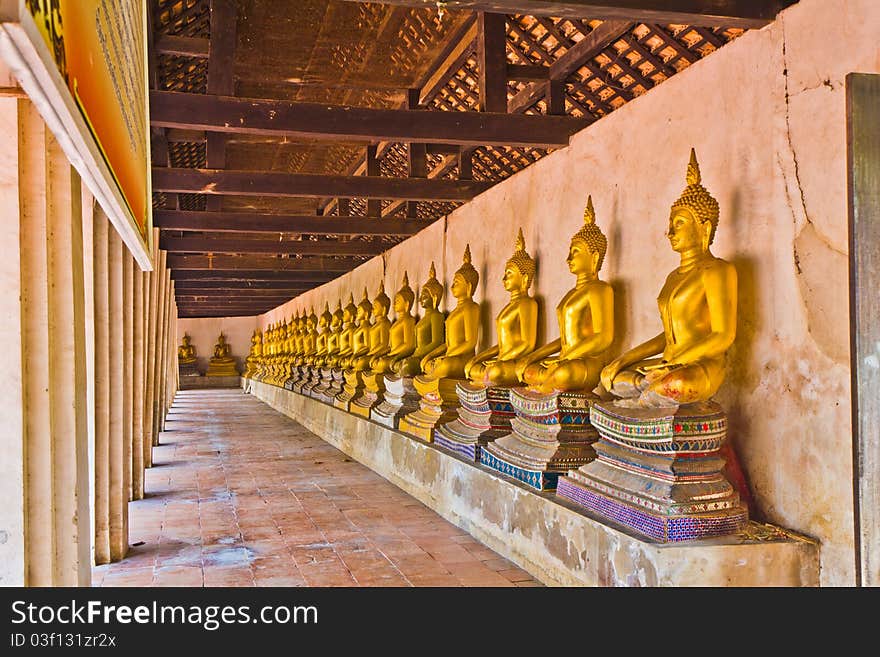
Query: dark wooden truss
[265, 186]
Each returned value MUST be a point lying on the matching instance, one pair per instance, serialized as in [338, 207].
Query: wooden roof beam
[262, 262]
[209, 244]
[304, 185]
[172, 109]
[248, 222]
[256, 277]
[730, 13]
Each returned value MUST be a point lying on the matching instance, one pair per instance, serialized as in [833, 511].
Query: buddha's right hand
[609, 373]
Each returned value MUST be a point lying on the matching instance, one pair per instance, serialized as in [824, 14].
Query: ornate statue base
[221, 368]
[314, 379]
[353, 387]
[374, 388]
[188, 369]
[399, 399]
[304, 379]
[551, 434]
[437, 404]
[321, 391]
[484, 414]
[336, 385]
[288, 382]
[658, 471]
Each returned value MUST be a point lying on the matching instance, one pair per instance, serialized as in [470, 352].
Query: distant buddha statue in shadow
[697, 307]
[186, 357]
[516, 325]
[586, 320]
[186, 353]
[222, 363]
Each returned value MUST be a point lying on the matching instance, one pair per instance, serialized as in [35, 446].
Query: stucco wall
[766, 115]
[205, 331]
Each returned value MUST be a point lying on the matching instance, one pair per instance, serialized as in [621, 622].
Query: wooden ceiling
[292, 141]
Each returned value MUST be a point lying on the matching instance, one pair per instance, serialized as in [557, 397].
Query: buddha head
[221, 340]
[364, 309]
[312, 321]
[694, 216]
[186, 339]
[336, 320]
[326, 316]
[464, 282]
[381, 303]
[588, 246]
[404, 298]
[519, 272]
[431, 292]
[350, 310]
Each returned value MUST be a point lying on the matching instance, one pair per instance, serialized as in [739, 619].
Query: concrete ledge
[555, 541]
[195, 382]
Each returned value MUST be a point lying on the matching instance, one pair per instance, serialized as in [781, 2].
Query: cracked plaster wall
[766, 115]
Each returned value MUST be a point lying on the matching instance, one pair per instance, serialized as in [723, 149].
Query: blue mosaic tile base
[535, 478]
[470, 452]
[661, 528]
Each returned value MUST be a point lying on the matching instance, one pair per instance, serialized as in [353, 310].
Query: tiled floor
[240, 495]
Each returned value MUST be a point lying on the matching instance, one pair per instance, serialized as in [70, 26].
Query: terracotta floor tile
[240, 495]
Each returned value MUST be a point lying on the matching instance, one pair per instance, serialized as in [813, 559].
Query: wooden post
[863, 178]
[492, 61]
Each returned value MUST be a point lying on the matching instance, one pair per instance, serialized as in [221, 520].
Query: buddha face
[685, 232]
[401, 307]
[581, 260]
[425, 299]
[460, 288]
[361, 314]
[514, 280]
[379, 309]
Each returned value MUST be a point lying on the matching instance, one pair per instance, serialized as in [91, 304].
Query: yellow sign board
[98, 47]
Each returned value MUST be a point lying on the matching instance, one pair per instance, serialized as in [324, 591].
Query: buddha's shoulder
[717, 266]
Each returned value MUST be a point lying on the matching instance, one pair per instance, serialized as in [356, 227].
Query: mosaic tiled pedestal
[371, 396]
[484, 414]
[399, 399]
[551, 434]
[353, 387]
[336, 386]
[321, 390]
[437, 405]
[293, 378]
[189, 369]
[312, 379]
[658, 471]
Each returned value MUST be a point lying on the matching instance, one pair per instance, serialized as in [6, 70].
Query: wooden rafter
[212, 244]
[735, 13]
[169, 109]
[270, 183]
[248, 222]
[263, 262]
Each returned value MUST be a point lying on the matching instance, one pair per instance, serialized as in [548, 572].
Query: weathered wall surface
[766, 115]
[205, 331]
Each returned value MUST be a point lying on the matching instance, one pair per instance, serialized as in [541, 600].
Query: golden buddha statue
[462, 327]
[401, 333]
[360, 339]
[380, 345]
[322, 340]
[310, 340]
[256, 352]
[186, 352]
[222, 363]
[516, 325]
[443, 367]
[586, 320]
[380, 329]
[698, 310]
[333, 336]
[346, 335]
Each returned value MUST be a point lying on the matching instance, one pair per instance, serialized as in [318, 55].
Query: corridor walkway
[240, 495]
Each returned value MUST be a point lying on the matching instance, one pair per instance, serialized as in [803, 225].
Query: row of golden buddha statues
[635, 439]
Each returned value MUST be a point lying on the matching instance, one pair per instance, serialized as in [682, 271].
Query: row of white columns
[90, 368]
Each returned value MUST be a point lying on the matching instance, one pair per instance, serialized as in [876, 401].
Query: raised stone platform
[195, 382]
[555, 540]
